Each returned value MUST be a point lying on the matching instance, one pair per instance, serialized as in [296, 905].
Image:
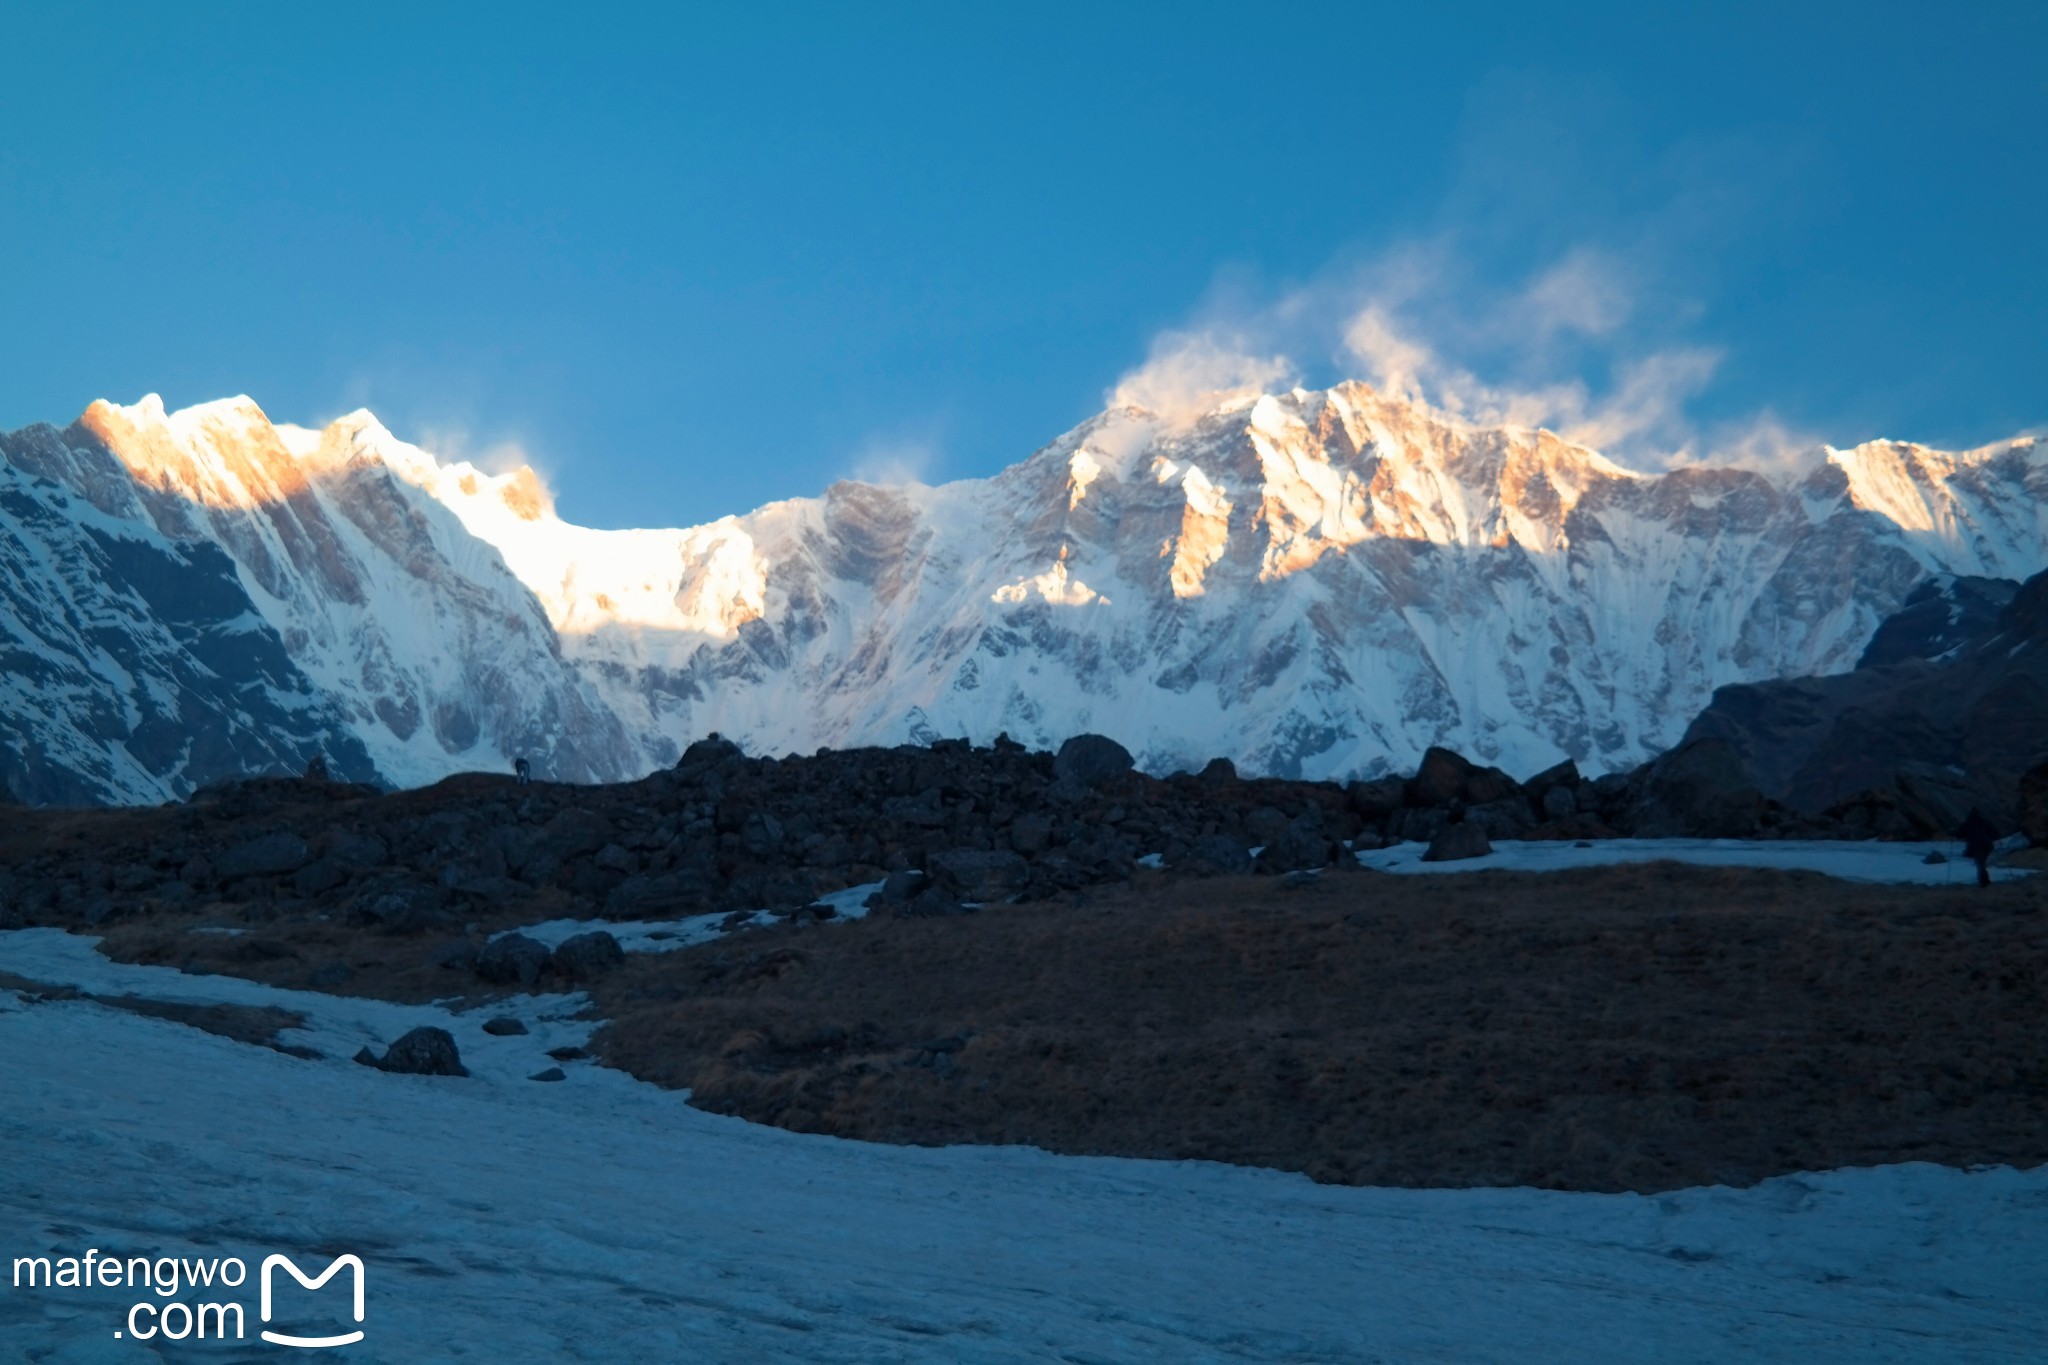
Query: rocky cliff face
[1315, 584]
[1957, 698]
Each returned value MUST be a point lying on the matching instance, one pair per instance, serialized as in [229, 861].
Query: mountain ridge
[1311, 583]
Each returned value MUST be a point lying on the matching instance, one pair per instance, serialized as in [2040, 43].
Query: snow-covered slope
[1311, 583]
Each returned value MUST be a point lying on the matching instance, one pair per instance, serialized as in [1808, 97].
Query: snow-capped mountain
[1313, 583]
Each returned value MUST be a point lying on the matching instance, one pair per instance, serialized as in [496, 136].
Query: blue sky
[693, 259]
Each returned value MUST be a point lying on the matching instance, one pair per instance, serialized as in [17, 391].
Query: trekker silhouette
[522, 770]
[1979, 835]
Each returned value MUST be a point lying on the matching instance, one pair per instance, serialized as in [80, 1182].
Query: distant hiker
[1979, 836]
[522, 770]
[316, 771]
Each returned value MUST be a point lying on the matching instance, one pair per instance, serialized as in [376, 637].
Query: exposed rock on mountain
[1313, 584]
[1925, 736]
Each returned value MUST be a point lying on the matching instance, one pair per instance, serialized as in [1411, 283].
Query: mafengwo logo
[181, 1308]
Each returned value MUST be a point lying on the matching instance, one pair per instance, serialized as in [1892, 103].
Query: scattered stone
[1935, 857]
[567, 1054]
[512, 959]
[553, 1073]
[1218, 770]
[365, 1057]
[504, 1026]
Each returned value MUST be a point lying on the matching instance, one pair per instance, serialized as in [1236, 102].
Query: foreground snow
[601, 1219]
[1866, 861]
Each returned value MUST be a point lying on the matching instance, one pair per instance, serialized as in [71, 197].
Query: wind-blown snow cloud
[1189, 373]
[1558, 349]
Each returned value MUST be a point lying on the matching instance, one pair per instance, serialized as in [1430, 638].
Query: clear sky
[691, 259]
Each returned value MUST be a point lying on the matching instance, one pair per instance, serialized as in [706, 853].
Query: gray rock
[553, 1073]
[504, 1026]
[899, 887]
[1218, 855]
[1376, 800]
[1699, 790]
[1455, 842]
[761, 834]
[1302, 845]
[587, 956]
[267, 855]
[455, 954]
[1088, 760]
[984, 876]
[1031, 833]
[1218, 770]
[404, 908]
[1560, 802]
[322, 875]
[1507, 818]
[1439, 779]
[426, 1051]
[512, 959]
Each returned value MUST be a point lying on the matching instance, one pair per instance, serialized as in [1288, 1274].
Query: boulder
[504, 1026]
[900, 886]
[1560, 802]
[426, 1051]
[761, 834]
[982, 876]
[319, 876]
[1487, 785]
[1218, 770]
[1089, 760]
[2034, 805]
[1508, 817]
[1456, 842]
[709, 753]
[512, 959]
[1565, 774]
[1217, 855]
[553, 1073]
[404, 908]
[1934, 799]
[587, 956]
[1439, 780]
[267, 855]
[1374, 801]
[1031, 833]
[1302, 845]
[1699, 790]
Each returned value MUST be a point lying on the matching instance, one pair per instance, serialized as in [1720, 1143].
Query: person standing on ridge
[523, 771]
[1979, 836]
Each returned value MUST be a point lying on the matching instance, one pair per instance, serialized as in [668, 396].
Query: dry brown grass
[1640, 1028]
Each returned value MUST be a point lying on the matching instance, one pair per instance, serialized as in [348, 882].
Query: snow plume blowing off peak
[1311, 582]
